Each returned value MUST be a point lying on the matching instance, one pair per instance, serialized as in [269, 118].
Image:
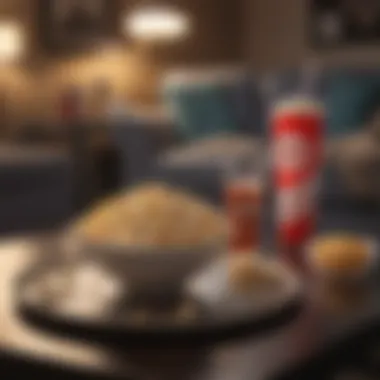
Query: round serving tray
[52, 297]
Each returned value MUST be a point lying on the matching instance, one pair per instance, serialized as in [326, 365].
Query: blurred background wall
[33, 85]
[276, 37]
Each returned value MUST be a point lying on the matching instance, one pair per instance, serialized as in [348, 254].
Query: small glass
[244, 182]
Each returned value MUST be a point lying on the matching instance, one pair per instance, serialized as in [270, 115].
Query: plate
[85, 301]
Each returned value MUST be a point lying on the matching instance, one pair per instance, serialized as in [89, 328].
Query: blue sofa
[149, 150]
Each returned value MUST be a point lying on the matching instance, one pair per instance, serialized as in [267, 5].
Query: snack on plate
[153, 215]
[248, 272]
[340, 253]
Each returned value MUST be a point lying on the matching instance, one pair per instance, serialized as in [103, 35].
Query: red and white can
[297, 138]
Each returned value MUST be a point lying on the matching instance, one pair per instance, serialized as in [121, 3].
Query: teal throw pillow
[202, 110]
[351, 101]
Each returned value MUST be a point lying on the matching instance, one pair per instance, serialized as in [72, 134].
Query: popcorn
[154, 215]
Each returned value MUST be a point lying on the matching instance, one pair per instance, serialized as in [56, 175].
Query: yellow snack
[248, 272]
[340, 253]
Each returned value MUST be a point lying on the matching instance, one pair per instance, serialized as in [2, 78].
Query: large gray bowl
[152, 271]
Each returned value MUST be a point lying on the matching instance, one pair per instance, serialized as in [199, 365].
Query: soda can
[297, 138]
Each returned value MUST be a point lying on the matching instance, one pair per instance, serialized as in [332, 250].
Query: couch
[153, 150]
[36, 189]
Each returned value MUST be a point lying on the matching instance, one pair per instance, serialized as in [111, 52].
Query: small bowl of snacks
[153, 237]
[246, 282]
[342, 256]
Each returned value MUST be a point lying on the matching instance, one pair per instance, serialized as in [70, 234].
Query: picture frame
[337, 23]
[77, 25]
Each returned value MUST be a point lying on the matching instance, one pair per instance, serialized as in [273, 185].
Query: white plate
[213, 288]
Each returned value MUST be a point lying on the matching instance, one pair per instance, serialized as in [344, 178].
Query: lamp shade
[157, 23]
[11, 44]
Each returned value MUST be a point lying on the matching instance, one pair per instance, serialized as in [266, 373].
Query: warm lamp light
[11, 43]
[157, 23]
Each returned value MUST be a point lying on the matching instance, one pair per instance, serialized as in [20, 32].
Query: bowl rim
[148, 250]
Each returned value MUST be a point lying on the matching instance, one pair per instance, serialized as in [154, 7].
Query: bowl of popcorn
[152, 237]
[342, 256]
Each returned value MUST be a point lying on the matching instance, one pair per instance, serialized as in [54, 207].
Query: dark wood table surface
[328, 313]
